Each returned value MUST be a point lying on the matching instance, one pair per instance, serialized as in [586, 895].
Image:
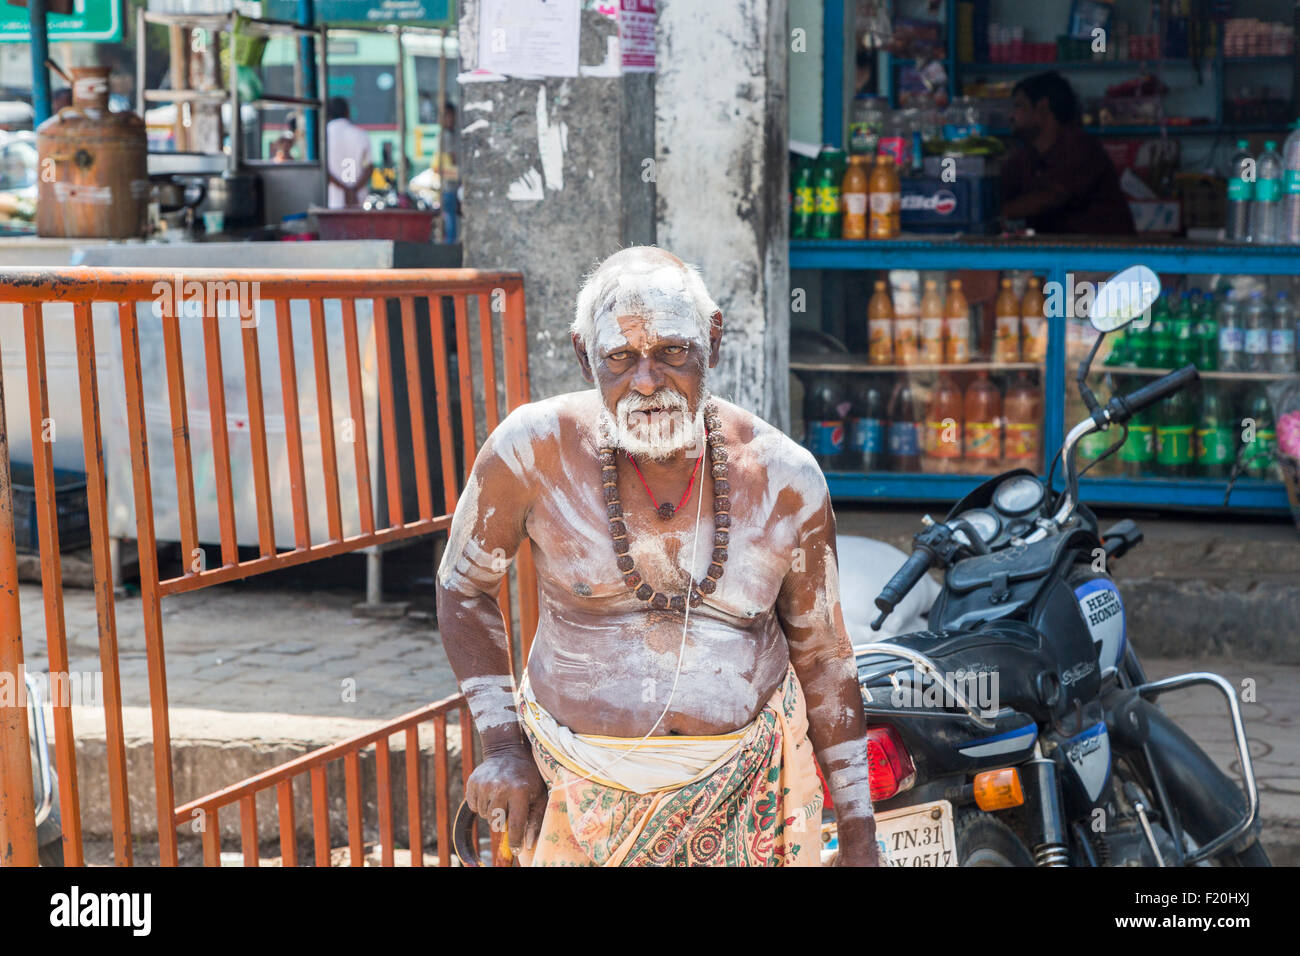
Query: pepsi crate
[930, 205]
[69, 504]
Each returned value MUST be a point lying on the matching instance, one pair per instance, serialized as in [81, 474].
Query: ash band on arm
[492, 702]
[848, 773]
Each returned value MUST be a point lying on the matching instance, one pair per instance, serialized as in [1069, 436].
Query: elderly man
[669, 712]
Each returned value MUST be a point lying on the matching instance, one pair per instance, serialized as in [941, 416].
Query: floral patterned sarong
[761, 807]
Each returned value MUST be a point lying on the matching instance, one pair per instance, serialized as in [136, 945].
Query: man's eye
[674, 349]
[617, 357]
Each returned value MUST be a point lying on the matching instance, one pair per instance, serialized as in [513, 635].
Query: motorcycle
[1019, 729]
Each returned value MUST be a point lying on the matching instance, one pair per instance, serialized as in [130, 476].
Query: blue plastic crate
[70, 504]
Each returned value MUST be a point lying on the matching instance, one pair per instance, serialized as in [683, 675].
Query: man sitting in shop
[1060, 180]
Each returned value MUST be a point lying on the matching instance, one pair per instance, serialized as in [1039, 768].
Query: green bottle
[1119, 348]
[1258, 457]
[1182, 322]
[1207, 335]
[826, 183]
[1138, 453]
[1175, 427]
[1215, 439]
[804, 199]
[1137, 339]
[1162, 334]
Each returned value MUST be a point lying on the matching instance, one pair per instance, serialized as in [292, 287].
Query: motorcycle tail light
[892, 770]
[998, 789]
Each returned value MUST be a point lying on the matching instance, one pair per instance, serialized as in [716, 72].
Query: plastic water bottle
[1258, 326]
[1291, 187]
[1232, 336]
[1281, 341]
[1241, 190]
[1266, 209]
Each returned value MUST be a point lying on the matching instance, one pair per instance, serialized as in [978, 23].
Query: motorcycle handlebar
[1126, 406]
[913, 569]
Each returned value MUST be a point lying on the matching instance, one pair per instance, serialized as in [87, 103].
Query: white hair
[643, 280]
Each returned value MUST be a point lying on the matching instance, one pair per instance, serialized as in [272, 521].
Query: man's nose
[645, 378]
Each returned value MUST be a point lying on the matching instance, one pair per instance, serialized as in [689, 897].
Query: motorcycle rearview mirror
[1123, 297]
[1119, 300]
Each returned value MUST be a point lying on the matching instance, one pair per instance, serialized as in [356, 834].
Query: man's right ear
[583, 361]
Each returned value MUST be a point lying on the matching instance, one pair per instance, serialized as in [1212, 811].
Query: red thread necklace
[666, 510]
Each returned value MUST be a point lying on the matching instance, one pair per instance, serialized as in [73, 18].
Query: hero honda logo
[942, 202]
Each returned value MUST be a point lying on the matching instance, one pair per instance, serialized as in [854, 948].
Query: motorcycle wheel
[984, 841]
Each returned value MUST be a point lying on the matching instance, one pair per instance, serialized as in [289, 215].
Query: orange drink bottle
[880, 326]
[957, 321]
[931, 348]
[1006, 334]
[1033, 321]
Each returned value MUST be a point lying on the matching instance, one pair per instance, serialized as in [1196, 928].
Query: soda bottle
[1023, 424]
[1006, 335]
[1258, 325]
[1206, 333]
[824, 411]
[1175, 425]
[931, 349]
[982, 432]
[826, 218]
[1215, 442]
[957, 310]
[885, 198]
[943, 422]
[1138, 342]
[1232, 336]
[1266, 207]
[1281, 340]
[1291, 187]
[880, 326]
[1138, 453]
[853, 191]
[1033, 321]
[805, 200]
[1120, 350]
[1258, 457]
[866, 438]
[1182, 322]
[1241, 191]
[907, 330]
[1162, 334]
[904, 430]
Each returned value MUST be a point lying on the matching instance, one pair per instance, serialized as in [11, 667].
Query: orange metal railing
[493, 294]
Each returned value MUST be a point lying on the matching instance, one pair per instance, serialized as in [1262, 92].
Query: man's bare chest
[575, 554]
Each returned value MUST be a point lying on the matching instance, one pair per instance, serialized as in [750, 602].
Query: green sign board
[98, 21]
[412, 12]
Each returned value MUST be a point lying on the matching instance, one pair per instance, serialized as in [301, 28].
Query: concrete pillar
[555, 178]
[559, 173]
[721, 129]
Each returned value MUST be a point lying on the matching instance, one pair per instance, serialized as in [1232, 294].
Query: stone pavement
[260, 676]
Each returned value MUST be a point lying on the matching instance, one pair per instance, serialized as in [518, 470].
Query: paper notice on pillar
[636, 32]
[529, 37]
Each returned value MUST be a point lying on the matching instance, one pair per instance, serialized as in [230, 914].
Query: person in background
[450, 146]
[348, 151]
[282, 148]
[1061, 180]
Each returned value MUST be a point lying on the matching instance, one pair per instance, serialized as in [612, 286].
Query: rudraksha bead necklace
[721, 522]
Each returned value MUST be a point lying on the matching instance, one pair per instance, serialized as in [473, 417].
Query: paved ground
[245, 664]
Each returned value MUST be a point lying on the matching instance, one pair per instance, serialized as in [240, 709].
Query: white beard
[659, 435]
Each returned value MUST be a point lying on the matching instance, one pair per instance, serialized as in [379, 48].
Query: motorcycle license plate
[917, 836]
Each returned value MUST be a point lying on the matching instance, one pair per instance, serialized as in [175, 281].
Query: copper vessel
[94, 180]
